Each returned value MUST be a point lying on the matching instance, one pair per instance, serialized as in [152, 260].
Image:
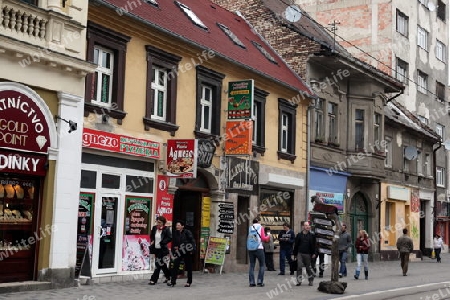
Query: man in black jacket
[286, 238]
[305, 251]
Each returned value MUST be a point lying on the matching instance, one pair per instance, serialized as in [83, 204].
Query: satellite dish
[410, 153]
[293, 13]
[431, 6]
[446, 145]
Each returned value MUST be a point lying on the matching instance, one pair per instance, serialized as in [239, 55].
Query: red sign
[182, 158]
[164, 200]
[120, 143]
[239, 138]
[23, 163]
[22, 123]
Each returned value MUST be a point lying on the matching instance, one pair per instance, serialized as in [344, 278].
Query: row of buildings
[103, 105]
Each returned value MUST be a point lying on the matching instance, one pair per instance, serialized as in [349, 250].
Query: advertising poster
[164, 200]
[136, 240]
[240, 99]
[84, 226]
[215, 254]
[205, 223]
[182, 158]
[239, 138]
[204, 236]
[336, 199]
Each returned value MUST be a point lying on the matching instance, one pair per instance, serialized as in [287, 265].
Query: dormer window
[191, 15]
[264, 52]
[152, 2]
[231, 35]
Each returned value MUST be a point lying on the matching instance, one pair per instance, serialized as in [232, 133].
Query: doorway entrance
[358, 218]
[243, 224]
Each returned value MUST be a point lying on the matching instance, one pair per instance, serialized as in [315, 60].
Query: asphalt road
[426, 280]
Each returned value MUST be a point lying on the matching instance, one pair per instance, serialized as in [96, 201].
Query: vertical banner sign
[182, 158]
[240, 99]
[205, 223]
[136, 240]
[164, 200]
[239, 137]
[84, 226]
[226, 217]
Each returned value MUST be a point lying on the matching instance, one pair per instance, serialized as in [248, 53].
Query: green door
[358, 218]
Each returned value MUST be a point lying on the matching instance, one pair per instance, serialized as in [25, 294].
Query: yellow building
[171, 77]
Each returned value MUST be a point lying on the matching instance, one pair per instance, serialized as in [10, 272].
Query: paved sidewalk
[382, 276]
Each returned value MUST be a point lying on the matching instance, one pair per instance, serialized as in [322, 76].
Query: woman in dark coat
[160, 236]
[183, 248]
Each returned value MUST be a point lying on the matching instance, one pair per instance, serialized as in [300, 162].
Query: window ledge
[119, 115]
[164, 126]
[286, 156]
[259, 149]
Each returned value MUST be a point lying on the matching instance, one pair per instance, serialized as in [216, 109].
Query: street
[426, 280]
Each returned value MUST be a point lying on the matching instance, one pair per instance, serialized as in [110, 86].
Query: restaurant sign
[23, 124]
[240, 99]
[182, 158]
[102, 140]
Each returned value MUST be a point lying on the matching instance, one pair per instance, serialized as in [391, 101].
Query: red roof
[170, 18]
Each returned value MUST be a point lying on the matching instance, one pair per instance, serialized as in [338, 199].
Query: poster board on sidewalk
[215, 253]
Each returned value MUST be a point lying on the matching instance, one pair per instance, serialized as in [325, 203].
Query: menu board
[226, 218]
[216, 251]
[137, 215]
[85, 208]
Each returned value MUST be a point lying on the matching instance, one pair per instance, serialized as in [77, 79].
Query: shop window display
[276, 209]
[18, 200]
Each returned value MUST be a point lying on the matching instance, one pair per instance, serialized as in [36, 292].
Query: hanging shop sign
[240, 99]
[22, 163]
[111, 142]
[23, 125]
[238, 139]
[336, 199]
[182, 158]
[206, 150]
[242, 174]
[226, 217]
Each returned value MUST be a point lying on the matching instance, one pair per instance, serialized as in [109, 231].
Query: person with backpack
[256, 237]
[362, 246]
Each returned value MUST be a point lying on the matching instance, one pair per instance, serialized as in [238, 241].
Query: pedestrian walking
[257, 231]
[160, 236]
[286, 238]
[269, 249]
[183, 248]
[345, 241]
[405, 247]
[305, 251]
[438, 245]
[362, 245]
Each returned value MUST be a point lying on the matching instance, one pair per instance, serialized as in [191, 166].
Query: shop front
[26, 136]
[117, 201]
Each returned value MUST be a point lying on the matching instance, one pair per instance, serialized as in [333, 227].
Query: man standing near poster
[286, 237]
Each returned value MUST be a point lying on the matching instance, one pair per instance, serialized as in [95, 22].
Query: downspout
[311, 106]
[435, 189]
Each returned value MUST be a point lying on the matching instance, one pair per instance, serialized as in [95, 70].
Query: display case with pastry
[20, 193]
[9, 191]
[2, 191]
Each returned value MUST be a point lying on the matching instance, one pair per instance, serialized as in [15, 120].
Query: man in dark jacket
[286, 237]
[405, 247]
[305, 251]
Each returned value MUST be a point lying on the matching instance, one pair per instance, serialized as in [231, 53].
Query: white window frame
[427, 165]
[402, 71]
[440, 130]
[388, 152]
[441, 50]
[332, 122]
[205, 125]
[376, 128]
[191, 15]
[284, 131]
[422, 82]
[156, 87]
[103, 71]
[422, 38]
[402, 23]
[363, 122]
[319, 118]
[440, 176]
[255, 122]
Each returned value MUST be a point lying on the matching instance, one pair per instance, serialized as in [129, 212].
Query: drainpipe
[311, 106]
[435, 189]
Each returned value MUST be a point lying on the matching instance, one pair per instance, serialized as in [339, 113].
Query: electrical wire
[358, 48]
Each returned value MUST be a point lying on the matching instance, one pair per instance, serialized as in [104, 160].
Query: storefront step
[112, 278]
[13, 287]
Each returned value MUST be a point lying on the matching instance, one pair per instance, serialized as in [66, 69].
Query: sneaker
[299, 284]
[340, 275]
[261, 284]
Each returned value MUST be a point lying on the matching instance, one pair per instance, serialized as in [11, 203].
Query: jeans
[343, 261]
[253, 255]
[362, 258]
[285, 253]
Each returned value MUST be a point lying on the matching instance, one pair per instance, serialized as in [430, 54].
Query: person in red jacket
[362, 245]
